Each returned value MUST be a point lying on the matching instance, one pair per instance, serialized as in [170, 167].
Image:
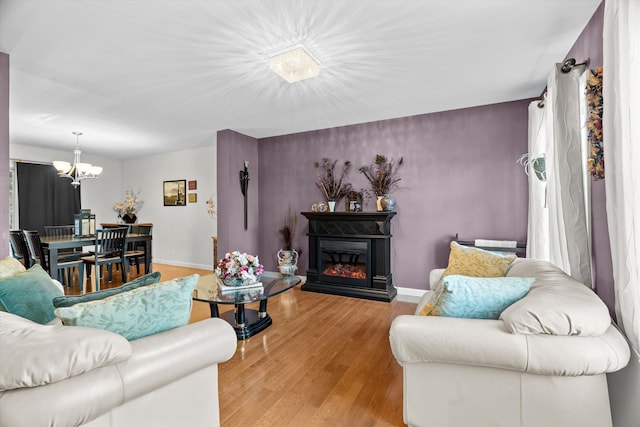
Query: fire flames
[350, 271]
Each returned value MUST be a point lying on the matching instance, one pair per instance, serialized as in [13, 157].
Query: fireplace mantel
[370, 229]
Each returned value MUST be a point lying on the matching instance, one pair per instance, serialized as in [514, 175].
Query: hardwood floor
[325, 361]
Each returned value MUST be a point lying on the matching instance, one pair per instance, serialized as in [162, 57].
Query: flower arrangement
[288, 230]
[129, 205]
[333, 187]
[382, 174]
[239, 268]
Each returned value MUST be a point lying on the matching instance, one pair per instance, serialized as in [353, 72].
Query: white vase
[332, 205]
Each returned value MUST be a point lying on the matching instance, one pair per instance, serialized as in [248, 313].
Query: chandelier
[78, 170]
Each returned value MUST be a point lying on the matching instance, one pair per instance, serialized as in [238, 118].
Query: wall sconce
[244, 188]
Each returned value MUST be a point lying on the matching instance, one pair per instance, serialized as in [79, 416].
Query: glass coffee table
[246, 322]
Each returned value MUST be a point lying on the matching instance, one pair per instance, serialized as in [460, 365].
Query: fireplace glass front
[345, 261]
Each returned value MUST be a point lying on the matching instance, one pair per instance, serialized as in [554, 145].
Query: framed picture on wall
[193, 197]
[193, 185]
[174, 192]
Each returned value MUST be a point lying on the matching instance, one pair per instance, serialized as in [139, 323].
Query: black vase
[129, 218]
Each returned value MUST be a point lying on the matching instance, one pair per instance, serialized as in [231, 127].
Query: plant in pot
[334, 187]
[382, 174]
[128, 208]
[287, 256]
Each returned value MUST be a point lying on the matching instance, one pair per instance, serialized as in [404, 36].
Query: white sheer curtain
[561, 232]
[538, 227]
[621, 145]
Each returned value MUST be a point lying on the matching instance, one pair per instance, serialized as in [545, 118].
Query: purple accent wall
[233, 149]
[459, 176]
[589, 45]
[4, 155]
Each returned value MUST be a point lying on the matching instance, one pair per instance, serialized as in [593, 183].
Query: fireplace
[349, 254]
[345, 261]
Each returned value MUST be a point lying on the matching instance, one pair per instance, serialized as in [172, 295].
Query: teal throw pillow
[68, 301]
[30, 294]
[479, 297]
[136, 313]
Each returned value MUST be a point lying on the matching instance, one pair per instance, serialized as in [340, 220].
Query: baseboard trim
[183, 264]
[410, 294]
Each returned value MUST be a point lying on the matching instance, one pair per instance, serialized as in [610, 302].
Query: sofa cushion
[29, 294]
[476, 297]
[69, 300]
[10, 266]
[557, 304]
[136, 313]
[474, 262]
[34, 355]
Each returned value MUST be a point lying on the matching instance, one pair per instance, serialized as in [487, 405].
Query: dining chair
[137, 250]
[36, 252]
[109, 250]
[19, 248]
[71, 254]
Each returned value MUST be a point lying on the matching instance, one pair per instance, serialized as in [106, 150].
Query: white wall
[99, 194]
[182, 235]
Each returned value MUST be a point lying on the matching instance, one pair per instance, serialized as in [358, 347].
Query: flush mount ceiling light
[78, 170]
[294, 65]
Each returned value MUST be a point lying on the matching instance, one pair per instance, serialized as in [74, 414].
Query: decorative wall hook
[244, 188]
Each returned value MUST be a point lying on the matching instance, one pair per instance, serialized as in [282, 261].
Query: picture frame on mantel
[353, 202]
[174, 192]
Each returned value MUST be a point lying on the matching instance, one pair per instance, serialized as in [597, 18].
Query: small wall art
[193, 197]
[193, 185]
[174, 192]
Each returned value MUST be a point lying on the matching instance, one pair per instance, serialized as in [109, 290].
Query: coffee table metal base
[246, 322]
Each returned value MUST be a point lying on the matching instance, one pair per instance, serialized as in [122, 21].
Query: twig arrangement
[288, 230]
[333, 187]
[382, 174]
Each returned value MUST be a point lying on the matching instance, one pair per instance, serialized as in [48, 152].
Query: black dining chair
[36, 252]
[19, 248]
[109, 250]
[137, 250]
[64, 231]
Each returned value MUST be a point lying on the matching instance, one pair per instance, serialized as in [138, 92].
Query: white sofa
[543, 363]
[53, 375]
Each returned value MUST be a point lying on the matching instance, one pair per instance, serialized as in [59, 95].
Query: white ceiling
[145, 76]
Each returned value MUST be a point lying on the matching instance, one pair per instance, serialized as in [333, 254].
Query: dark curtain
[44, 198]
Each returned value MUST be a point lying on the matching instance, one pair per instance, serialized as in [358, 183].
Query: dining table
[53, 244]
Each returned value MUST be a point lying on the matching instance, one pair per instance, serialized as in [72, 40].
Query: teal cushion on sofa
[30, 294]
[68, 301]
[136, 313]
[479, 297]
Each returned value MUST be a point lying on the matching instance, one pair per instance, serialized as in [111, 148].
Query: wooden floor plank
[325, 361]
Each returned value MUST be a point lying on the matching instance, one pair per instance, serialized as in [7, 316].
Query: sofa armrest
[162, 358]
[487, 343]
[417, 339]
